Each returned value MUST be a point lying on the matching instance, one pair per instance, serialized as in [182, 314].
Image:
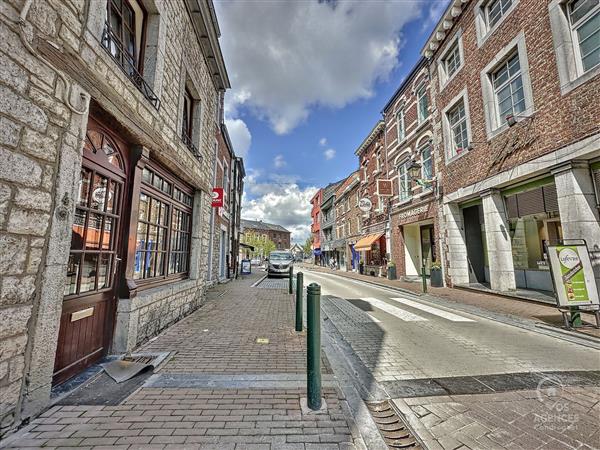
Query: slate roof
[260, 225]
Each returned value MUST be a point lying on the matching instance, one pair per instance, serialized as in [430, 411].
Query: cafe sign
[365, 205]
[573, 275]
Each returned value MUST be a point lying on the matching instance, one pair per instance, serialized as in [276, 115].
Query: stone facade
[56, 73]
[551, 139]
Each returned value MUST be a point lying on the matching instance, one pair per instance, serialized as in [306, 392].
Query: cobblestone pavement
[436, 367]
[534, 311]
[203, 404]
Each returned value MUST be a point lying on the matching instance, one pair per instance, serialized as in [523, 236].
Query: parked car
[256, 262]
[279, 264]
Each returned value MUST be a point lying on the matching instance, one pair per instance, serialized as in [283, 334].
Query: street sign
[365, 205]
[217, 198]
[573, 275]
[384, 188]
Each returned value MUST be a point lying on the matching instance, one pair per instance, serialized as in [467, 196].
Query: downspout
[212, 210]
[389, 205]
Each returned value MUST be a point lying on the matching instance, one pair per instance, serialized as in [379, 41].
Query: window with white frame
[426, 164]
[495, 9]
[400, 125]
[358, 225]
[404, 181]
[452, 60]
[422, 103]
[508, 88]
[457, 127]
[584, 19]
[377, 162]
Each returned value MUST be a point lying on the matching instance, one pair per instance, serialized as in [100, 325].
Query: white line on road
[373, 318]
[393, 310]
[432, 310]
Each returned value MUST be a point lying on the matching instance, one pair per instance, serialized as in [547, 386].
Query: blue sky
[309, 80]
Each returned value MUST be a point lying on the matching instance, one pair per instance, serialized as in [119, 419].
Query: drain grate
[392, 428]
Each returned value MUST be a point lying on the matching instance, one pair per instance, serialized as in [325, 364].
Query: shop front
[414, 243]
[372, 254]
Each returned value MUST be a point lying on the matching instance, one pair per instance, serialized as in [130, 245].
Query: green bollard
[313, 351]
[424, 279]
[575, 317]
[290, 286]
[299, 294]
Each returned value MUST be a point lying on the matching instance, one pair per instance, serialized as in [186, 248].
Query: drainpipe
[212, 210]
[389, 209]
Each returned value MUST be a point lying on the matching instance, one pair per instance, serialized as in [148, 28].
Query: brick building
[348, 221]
[374, 241]
[276, 233]
[107, 126]
[315, 226]
[328, 225]
[409, 140]
[235, 208]
[516, 90]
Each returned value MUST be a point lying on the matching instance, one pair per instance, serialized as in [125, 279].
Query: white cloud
[279, 162]
[323, 142]
[329, 153]
[240, 136]
[286, 57]
[288, 206]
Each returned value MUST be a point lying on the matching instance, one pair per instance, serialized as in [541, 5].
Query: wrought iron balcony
[125, 61]
[190, 145]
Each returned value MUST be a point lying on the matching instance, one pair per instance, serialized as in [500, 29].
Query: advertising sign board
[573, 275]
[384, 188]
[246, 267]
[217, 198]
[365, 205]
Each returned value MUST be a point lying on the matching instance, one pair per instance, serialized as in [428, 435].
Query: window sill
[525, 115]
[456, 157]
[579, 81]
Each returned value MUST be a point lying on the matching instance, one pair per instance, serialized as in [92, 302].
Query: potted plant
[391, 270]
[436, 274]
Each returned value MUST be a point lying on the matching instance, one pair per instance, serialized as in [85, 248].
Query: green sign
[573, 275]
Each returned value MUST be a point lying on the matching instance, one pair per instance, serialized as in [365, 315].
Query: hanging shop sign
[573, 275]
[384, 188]
[217, 198]
[365, 205]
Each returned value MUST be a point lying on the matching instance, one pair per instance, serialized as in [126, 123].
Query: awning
[366, 242]
[251, 248]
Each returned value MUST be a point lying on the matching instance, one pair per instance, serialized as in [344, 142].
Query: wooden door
[87, 318]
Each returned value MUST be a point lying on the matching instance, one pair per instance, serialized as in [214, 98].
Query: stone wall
[52, 68]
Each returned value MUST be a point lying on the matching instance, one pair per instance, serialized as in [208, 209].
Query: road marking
[373, 318]
[432, 310]
[394, 311]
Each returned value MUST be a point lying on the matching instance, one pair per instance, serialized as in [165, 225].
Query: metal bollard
[290, 286]
[299, 295]
[424, 279]
[313, 353]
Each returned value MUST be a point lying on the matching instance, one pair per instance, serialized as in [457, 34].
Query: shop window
[422, 103]
[164, 228]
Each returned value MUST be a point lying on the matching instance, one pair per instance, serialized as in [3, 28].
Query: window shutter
[530, 202]
[511, 207]
[550, 198]
[596, 176]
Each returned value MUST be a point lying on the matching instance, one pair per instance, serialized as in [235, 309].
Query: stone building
[516, 91]
[220, 236]
[373, 166]
[108, 116]
[315, 226]
[408, 142]
[348, 221]
[276, 233]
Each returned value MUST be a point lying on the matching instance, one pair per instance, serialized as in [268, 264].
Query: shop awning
[251, 248]
[366, 242]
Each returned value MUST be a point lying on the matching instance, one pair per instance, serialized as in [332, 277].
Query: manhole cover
[392, 427]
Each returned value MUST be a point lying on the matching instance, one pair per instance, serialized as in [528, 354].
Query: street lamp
[414, 169]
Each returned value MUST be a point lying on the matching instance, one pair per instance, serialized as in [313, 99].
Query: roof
[371, 137]
[452, 13]
[412, 74]
[260, 225]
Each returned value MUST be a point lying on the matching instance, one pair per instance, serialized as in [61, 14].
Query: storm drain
[392, 428]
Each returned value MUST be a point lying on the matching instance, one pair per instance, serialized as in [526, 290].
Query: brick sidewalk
[221, 389]
[531, 310]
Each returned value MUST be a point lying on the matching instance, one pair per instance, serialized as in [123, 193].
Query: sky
[309, 80]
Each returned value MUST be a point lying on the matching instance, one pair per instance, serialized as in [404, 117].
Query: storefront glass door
[427, 247]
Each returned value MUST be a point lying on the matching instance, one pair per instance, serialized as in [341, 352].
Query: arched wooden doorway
[87, 319]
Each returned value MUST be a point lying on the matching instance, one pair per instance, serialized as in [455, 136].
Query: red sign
[217, 198]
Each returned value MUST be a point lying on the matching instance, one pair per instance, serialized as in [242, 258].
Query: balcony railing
[190, 145]
[125, 61]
